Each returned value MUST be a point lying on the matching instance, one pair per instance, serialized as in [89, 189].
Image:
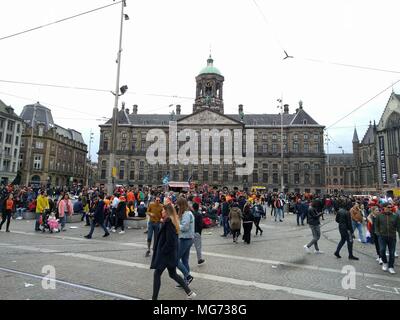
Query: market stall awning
[174, 184]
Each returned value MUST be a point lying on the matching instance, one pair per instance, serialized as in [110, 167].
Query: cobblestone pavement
[273, 266]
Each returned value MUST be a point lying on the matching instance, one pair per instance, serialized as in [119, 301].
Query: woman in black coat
[121, 214]
[248, 219]
[343, 218]
[98, 217]
[165, 254]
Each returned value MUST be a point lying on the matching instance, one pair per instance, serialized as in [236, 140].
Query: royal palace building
[302, 165]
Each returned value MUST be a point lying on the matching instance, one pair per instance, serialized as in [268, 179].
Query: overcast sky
[166, 44]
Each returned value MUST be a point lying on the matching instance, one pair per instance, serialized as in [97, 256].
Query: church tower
[209, 85]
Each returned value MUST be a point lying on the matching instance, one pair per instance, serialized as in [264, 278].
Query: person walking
[372, 229]
[186, 235]
[98, 217]
[387, 224]
[65, 208]
[154, 213]
[258, 212]
[198, 227]
[235, 220]
[120, 214]
[315, 226]
[8, 210]
[165, 254]
[225, 216]
[248, 220]
[358, 219]
[278, 208]
[42, 204]
[343, 218]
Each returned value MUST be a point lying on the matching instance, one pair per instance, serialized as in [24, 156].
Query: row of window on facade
[141, 164]
[258, 148]
[7, 166]
[264, 177]
[10, 125]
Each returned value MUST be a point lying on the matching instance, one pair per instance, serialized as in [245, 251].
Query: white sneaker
[191, 296]
[391, 270]
[396, 255]
[318, 252]
[121, 232]
[377, 259]
[385, 267]
[307, 249]
[380, 261]
[113, 230]
[19, 218]
[359, 240]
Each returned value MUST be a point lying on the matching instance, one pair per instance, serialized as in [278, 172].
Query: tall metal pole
[282, 169]
[114, 125]
[327, 163]
[29, 156]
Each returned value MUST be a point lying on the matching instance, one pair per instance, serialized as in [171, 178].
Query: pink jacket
[61, 208]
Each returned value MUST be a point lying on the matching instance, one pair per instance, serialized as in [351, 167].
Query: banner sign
[382, 160]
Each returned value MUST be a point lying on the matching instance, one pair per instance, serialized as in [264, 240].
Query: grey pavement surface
[273, 266]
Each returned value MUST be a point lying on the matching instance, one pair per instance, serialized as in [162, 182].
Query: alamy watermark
[190, 152]
[49, 281]
[349, 280]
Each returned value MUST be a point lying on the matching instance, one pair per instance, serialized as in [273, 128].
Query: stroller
[49, 224]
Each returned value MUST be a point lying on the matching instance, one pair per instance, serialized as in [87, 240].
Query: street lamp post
[328, 173]
[29, 155]
[282, 159]
[113, 140]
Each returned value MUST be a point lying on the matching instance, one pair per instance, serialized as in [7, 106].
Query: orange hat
[122, 198]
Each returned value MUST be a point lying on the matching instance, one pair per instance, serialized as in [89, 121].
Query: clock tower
[209, 85]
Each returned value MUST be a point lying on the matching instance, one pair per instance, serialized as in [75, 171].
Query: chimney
[134, 110]
[240, 108]
[178, 109]
[127, 111]
[286, 108]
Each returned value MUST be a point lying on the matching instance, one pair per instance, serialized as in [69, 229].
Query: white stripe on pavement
[260, 285]
[240, 258]
[107, 293]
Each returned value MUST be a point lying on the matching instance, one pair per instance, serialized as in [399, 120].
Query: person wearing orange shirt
[8, 209]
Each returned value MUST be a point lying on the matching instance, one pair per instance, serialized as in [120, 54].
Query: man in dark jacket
[198, 227]
[387, 224]
[225, 215]
[315, 226]
[343, 218]
[98, 217]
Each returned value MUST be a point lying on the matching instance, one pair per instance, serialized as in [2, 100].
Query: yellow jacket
[42, 203]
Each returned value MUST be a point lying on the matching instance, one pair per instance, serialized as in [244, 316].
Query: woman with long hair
[65, 209]
[8, 209]
[186, 236]
[165, 254]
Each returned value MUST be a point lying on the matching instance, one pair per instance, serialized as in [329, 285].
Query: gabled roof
[8, 111]
[302, 117]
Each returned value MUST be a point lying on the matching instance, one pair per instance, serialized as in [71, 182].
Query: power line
[48, 103]
[58, 21]
[351, 65]
[362, 105]
[59, 86]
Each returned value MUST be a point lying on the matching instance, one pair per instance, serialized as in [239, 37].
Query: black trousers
[120, 223]
[6, 216]
[376, 242]
[257, 223]
[247, 226]
[173, 275]
[235, 234]
[345, 236]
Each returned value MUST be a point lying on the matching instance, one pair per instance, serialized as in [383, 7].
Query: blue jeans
[278, 213]
[63, 221]
[37, 224]
[152, 227]
[93, 225]
[183, 256]
[300, 216]
[227, 229]
[359, 227]
[391, 244]
[20, 212]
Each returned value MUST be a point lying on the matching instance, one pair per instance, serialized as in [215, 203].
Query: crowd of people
[175, 220]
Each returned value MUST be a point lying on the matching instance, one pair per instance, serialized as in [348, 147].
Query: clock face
[209, 83]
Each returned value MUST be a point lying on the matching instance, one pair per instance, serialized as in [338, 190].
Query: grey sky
[166, 43]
